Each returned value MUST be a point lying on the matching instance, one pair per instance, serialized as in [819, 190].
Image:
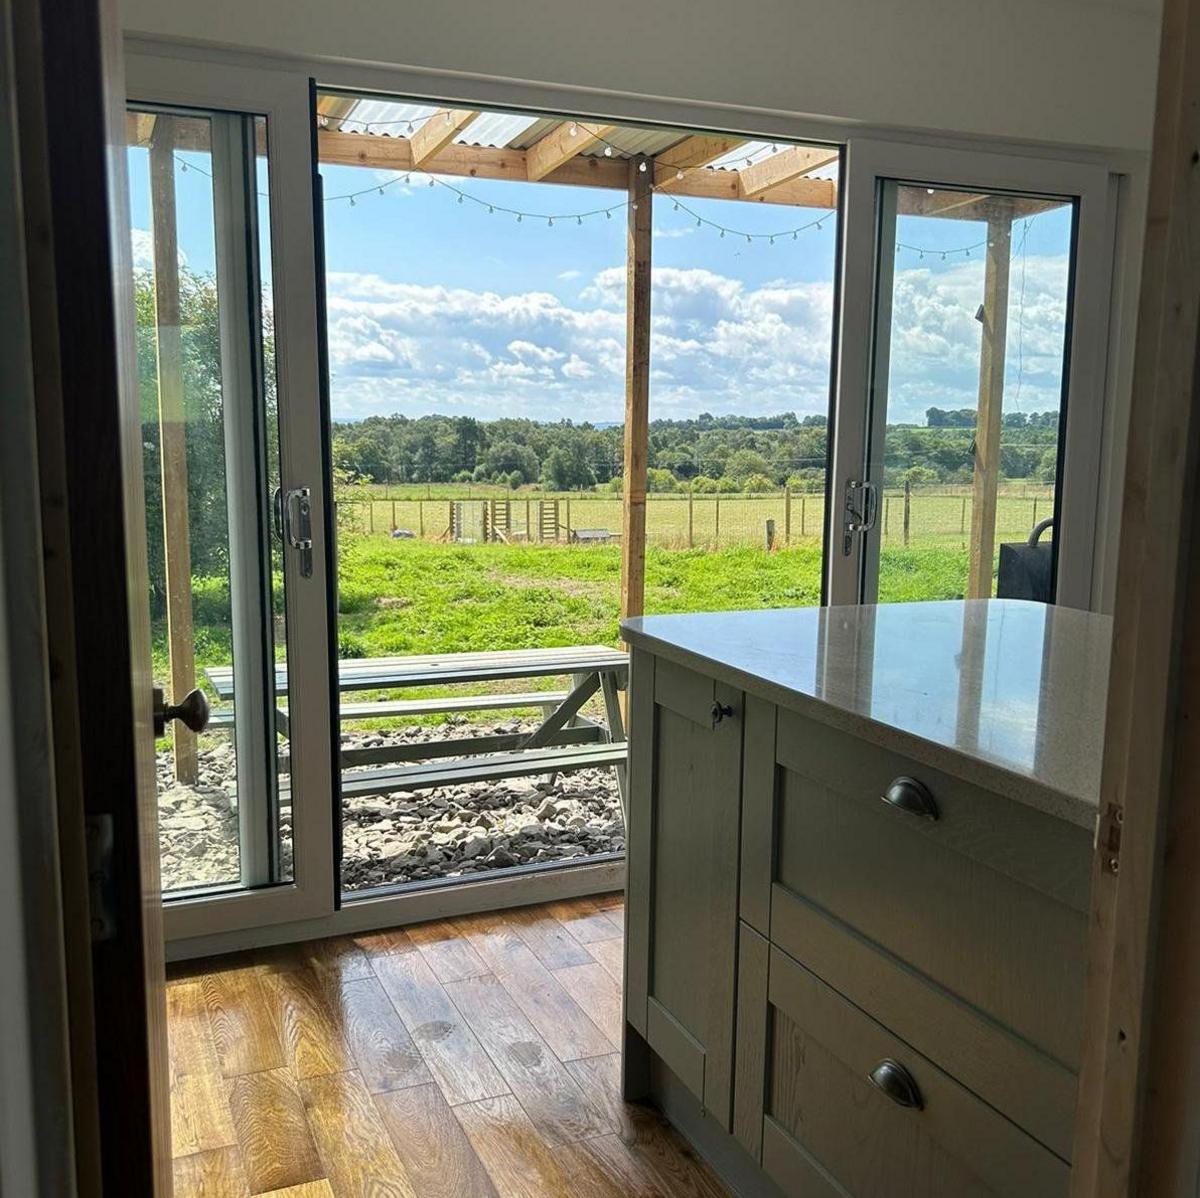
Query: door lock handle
[297, 526]
[720, 711]
[192, 711]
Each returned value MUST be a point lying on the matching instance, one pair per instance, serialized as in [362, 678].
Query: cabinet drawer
[942, 896]
[826, 1123]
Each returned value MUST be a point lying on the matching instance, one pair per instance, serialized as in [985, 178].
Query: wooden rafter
[594, 170]
[438, 132]
[560, 145]
[783, 167]
[688, 154]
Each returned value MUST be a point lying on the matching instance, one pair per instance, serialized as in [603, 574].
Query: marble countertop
[1005, 693]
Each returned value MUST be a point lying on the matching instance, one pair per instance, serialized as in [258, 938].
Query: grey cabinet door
[685, 778]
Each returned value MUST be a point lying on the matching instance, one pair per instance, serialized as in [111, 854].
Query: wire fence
[920, 515]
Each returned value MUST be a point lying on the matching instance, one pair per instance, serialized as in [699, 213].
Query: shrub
[703, 485]
[758, 484]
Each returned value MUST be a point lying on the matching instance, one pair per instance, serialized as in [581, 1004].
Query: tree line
[709, 453]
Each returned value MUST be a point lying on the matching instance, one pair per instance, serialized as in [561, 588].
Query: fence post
[717, 525]
[907, 509]
[962, 520]
[787, 515]
[770, 535]
[370, 515]
[393, 515]
[691, 526]
[887, 506]
[568, 518]
[421, 517]
[803, 513]
[1034, 524]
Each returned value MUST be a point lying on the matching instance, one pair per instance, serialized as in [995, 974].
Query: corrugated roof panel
[498, 129]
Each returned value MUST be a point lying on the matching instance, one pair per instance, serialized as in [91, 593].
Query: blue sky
[437, 305]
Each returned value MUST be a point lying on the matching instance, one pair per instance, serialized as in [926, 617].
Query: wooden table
[563, 741]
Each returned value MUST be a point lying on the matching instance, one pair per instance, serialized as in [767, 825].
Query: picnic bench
[565, 741]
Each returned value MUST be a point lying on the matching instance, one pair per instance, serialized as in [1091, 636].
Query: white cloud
[567, 275]
[718, 344]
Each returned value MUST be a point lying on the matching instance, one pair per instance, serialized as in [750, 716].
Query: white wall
[1062, 71]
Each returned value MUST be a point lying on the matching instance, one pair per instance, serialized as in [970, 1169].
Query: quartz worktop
[1004, 693]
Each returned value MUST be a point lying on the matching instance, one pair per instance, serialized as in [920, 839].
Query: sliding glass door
[234, 511]
[976, 306]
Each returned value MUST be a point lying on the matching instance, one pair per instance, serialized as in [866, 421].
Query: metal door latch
[859, 511]
[297, 526]
[98, 830]
[1108, 838]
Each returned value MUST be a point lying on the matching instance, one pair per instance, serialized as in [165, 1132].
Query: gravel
[405, 836]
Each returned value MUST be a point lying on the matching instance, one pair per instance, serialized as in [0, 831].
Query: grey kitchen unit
[859, 850]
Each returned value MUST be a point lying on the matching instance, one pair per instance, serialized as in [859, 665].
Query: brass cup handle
[897, 1083]
[192, 711]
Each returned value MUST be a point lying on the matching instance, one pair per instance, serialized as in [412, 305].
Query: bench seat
[561, 759]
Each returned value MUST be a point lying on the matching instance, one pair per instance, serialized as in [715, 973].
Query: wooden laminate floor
[466, 1058]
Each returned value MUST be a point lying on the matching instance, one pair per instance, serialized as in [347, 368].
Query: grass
[408, 596]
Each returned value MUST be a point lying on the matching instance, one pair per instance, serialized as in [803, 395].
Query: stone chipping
[387, 840]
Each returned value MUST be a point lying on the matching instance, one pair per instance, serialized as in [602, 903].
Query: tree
[509, 456]
[566, 468]
[746, 462]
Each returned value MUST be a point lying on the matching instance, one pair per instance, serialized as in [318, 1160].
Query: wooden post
[528, 526]
[787, 515]
[172, 437]
[421, 516]
[1135, 1128]
[887, 507]
[691, 520]
[907, 510]
[770, 535]
[962, 516]
[568, 518]
[393, 515]
[717, 524]
[637, 387]
[991, 397]
[803, 513]
[1034, 524]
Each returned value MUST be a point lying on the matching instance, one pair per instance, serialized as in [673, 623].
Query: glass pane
[210, 441]
[971, 357]
[477, 335]
[741, 359]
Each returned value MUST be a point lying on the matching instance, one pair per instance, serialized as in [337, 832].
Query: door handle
[858, 514]
[192, 712]
[297, 526]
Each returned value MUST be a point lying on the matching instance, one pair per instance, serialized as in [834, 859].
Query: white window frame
[860, 415]
[282, 97]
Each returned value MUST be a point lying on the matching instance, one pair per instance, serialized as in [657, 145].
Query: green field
[413, 595]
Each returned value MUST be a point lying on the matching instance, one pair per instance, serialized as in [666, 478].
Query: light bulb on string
[642, 166]
[679, 174]
[572, 129]
[410, 128]
[579, 220]
[353, 202]
[491, 210]
[381, 191]
[518, 218]
[608, 151]
[460, 198]
[449, 118]
[550, 222]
